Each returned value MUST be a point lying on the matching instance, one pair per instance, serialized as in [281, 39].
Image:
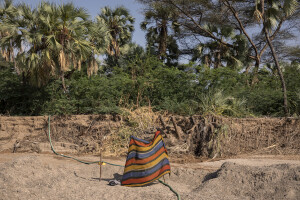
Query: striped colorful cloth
[146, 161]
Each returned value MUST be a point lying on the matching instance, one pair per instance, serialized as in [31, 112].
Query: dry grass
[135, 122]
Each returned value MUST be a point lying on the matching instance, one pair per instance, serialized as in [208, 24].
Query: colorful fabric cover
[146, 161]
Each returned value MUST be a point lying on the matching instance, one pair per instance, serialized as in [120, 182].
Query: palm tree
[119, 27]
[8, 13]
[55, 38]
[214, 55]
[71, 33]
[159, 22]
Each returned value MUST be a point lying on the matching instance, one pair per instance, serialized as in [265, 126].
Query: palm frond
[290, 6]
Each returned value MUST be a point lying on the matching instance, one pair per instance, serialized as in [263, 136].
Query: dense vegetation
[55, 59]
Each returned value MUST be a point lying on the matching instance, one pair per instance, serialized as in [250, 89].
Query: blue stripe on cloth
[138, 139]
[139, 155]
[144, 173]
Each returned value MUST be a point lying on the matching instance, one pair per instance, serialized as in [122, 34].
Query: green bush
[146, 81]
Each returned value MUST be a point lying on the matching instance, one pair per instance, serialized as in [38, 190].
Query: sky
[94, 8]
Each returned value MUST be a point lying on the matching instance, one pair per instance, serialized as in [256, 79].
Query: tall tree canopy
[229, 57]
[119, 28]
[47, 40]
[161, 26]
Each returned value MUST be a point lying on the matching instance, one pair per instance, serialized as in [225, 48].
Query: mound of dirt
[42, 176]
[234, 181]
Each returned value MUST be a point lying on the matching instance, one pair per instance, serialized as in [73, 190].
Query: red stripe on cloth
[147, 178]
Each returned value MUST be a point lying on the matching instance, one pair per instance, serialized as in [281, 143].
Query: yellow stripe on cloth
[146, 166]
[139, 148]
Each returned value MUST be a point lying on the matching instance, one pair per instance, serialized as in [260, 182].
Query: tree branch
[272, 36]
[228, 5]
[200, 27]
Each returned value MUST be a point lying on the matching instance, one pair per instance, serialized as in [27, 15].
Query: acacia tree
[272, 13]
[240, 15]
[197, 16]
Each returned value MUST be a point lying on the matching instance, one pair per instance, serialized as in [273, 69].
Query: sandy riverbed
[46, 176]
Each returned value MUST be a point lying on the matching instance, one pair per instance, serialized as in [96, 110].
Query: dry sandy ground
[47, 176]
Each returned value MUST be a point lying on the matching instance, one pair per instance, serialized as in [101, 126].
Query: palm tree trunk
[116, 48]
[285, 104]
[163, 40]
[63, 80]
[255, 72]
[218, 59]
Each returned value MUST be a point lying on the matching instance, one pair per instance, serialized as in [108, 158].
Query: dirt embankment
[72, 134]
[207, 137]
